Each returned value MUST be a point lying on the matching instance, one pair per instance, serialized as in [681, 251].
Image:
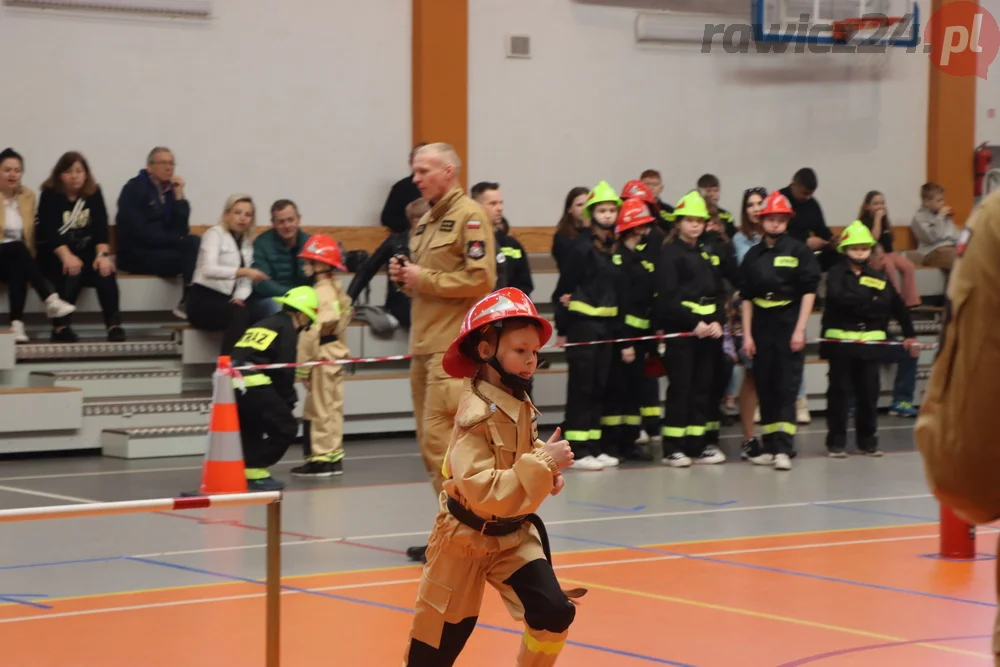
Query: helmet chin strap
[857, 262]
[514, 382]
[774, 237]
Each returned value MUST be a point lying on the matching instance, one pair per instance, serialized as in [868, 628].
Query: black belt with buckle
[501, 527]
[332, 338]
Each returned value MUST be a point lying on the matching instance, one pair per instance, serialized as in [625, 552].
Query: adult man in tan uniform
[452, 266]
[958, 431]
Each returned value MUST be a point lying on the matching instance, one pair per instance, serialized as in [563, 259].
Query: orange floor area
[860, 597]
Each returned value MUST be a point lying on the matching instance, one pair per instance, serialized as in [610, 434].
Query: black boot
[418, 554]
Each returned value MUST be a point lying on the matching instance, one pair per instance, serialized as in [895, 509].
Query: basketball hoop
[873, 29]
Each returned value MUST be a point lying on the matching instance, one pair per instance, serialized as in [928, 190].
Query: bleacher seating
[150, 397]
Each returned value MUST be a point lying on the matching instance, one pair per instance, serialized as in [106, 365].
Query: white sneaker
[802, 415]
[762, 460]
[782, 462]
[607, 461]
[587, 463]
[643, 438]
[56, 307]
[711, 455]
[17, 328]
[677, 460]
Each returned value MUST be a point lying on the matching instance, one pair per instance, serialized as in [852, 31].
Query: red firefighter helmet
[503, 304]
[776, 204]
[321, 248]
[636, 189]
[633, 213]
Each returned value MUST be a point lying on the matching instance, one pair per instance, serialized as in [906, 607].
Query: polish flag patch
[472, 224]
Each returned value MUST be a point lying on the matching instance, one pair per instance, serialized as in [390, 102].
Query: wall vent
[518, 46]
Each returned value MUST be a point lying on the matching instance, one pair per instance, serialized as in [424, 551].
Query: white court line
[137, 471]
[45, 494]
[733, 552]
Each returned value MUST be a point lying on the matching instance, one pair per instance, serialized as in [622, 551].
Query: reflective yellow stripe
[714, 259]
[578, 436]
[257, 473]
[594, 434]
[632, 420]
[640, 247]
[616, 259]
[612, 421]
[513, 253]
[255, 380]
[445, 468]
[779, 427]
[538, 646]
[695, 430]
[651, 411]
[636, 322]
[840, 334]
[591, 311]
[649, 266]
[768, 303]
[698, 309]
[786, 261]
[674, 432]
[713, 426]
[868, 281]
[257, 338]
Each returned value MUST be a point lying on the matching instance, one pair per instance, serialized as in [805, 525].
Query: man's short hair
[650, 173]
[806, 179]
[416, 147]
[708, 181]
[158, 149]
[281, 205]
[928, 190]
[447, 153]
[481, 188]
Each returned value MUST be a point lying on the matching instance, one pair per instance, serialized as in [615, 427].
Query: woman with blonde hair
[223, 276]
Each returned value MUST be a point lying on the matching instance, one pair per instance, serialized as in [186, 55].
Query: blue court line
[61, 562]
[862, 510]
[701, 502]
[405, 610]
[776, 570]
[21, 598]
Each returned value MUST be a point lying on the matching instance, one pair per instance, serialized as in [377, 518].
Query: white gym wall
[304, 99]
[591, 104]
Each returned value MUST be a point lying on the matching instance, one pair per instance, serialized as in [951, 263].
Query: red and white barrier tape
[403, 357]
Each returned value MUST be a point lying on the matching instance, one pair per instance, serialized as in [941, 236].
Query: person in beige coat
[957, 431]
[18, 267]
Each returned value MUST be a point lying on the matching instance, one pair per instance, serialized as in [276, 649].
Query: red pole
[958, 537]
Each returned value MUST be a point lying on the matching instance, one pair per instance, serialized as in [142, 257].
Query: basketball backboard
[814, 21]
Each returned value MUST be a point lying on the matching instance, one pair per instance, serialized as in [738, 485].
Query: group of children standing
[631, 266]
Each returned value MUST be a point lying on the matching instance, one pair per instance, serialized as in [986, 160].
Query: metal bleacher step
[105, 382]
[152, 348]
[154, 441]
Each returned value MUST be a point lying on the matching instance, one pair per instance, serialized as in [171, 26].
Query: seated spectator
[73, 243]
[902, 274]
[276, 253]
[17, 248]
[224, 277]
[402, 193]
[512, 261]
[152, 224]
[936, 233]
[397, 304]
[808, 224]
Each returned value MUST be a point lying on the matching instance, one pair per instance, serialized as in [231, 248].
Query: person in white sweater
[224, 275]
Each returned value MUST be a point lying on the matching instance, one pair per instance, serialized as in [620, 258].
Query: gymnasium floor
[829, 564]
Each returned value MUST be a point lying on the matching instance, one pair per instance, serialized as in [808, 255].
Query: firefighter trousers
[778, 372]
[690, 364]
[324, 412]
[460, 562]
[589, 367]
[267, 428]
[859, 377]
[720, 382]
[435, 402]
[622, 400]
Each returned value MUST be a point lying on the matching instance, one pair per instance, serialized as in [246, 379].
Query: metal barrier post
[274, 584]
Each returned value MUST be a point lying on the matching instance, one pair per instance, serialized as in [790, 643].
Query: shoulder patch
[447, 225]
[476, 250]
[473, 224]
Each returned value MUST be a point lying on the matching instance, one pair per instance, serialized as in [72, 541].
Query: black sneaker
[751, 449]
[266, 484]
[318, 469]
[418, 554]
[116, 335]
[65, 335]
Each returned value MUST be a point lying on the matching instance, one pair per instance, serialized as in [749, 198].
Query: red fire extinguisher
[983, 161]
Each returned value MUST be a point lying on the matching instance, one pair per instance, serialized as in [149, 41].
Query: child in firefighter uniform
[497, 474]
[859, 303]
[265, 400]
[323, 417]
[690, 297]
[778, 281]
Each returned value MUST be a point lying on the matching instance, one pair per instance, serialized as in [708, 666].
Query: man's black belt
[332, 338]
[501, 526]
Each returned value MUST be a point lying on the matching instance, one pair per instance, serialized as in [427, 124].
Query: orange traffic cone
[223, 470]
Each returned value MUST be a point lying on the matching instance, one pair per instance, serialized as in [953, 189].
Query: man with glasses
[153, 233]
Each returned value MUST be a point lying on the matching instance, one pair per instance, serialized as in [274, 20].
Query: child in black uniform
[859, 303]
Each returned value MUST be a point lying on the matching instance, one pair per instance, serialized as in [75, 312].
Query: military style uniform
[454, 246]
[324, 341]
[497, 476]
